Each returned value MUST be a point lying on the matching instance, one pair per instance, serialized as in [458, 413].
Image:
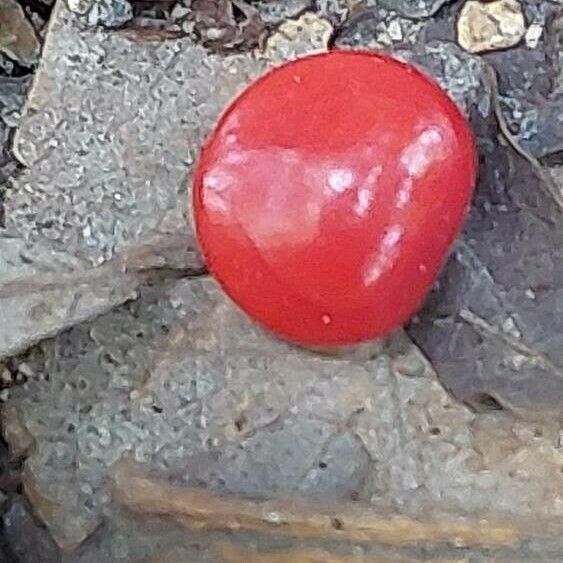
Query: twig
[230, 553]
[201, 509]
[485, 328]
[548, 184]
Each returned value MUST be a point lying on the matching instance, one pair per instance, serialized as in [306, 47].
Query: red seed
[329, 193]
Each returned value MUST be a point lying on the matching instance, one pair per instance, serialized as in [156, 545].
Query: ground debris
[227, 24]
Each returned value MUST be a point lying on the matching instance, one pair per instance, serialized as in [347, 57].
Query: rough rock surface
[493, 326]
[277, 12]
[109, 13]
[12, 93]
[127, 158]
[223, 405]
[378, 28]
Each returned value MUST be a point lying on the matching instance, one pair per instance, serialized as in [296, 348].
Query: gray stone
[337, 11]
[28, 541]
[14, 432]
[378, 28]
[12, 95]
[226, 406]
[80, 6]
[113, 129]
[340, 469]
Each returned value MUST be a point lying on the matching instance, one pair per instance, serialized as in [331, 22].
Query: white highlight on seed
[235, 157]
[385, 256]
[365, 198]
[215, 183]
[404, 192]
[340, 179]
[417, 157]
[366, 192]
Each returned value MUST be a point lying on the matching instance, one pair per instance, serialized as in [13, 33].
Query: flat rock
[486, 26]
[226, 406]
[109, 126]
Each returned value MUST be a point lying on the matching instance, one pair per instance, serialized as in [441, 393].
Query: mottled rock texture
[184, 383]
[110, 134]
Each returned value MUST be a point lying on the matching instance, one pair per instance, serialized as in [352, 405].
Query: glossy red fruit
[329, 193]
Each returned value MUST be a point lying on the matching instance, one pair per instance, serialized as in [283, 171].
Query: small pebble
[533, 35]
[487, 26]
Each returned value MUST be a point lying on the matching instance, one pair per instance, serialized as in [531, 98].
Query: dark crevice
[484, 402]
[37, 7]
[12, 68]
[221, 26]
[552, 159]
